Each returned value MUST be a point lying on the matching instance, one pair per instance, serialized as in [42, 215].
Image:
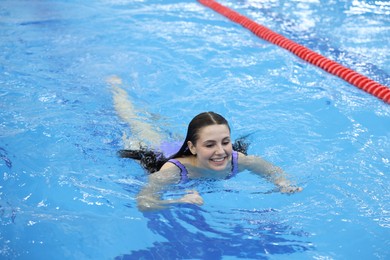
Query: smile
[218, 159]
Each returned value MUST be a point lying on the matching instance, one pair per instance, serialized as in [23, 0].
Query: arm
[271, 172]
[149, 197]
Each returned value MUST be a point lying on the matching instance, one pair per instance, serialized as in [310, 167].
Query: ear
[192, 147]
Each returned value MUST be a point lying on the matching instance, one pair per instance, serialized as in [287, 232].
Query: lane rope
[358, 80]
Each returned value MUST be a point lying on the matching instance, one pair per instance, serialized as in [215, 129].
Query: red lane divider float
[302, 52]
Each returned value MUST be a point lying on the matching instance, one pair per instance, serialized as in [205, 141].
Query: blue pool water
[64, 193]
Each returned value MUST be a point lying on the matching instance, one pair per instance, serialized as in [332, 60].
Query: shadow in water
[190, 236]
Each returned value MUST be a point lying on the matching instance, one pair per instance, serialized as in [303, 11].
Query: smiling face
[213, 148]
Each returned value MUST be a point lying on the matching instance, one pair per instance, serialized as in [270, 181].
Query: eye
[208, 144]
[226, 142]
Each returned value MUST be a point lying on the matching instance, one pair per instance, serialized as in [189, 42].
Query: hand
[192, 197]
[290, 189]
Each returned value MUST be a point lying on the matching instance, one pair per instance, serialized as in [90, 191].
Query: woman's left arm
[266, 169]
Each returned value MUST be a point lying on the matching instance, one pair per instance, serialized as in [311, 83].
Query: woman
[207, 152]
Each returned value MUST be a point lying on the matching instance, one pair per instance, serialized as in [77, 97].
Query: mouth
[219, 160]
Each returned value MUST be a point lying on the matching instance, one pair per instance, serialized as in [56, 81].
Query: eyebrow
[213, 141]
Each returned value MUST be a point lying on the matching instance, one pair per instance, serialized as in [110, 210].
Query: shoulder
[246, 162]
[242, 159]
[177, 163]
[169, 173]
[170, 166]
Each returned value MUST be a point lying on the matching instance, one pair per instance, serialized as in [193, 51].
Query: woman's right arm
[149, 197]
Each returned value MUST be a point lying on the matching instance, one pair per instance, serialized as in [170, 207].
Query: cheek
[204, 153]
[228, 149]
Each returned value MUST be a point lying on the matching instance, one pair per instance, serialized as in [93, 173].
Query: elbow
[145, 204]
[142, 204]
[143, 208]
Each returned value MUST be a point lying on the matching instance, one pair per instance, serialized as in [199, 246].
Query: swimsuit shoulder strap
[234, 164]
[183, 169]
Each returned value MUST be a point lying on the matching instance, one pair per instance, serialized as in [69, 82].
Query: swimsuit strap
[183, 169]
[234, 164]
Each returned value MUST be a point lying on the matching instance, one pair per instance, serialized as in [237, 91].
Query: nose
[219, 149]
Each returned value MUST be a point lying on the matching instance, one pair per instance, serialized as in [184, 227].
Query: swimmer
[207, 152]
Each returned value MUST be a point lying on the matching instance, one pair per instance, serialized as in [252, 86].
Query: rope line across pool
[358, 80]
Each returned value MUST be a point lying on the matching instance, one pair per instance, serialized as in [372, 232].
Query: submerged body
[207, 152]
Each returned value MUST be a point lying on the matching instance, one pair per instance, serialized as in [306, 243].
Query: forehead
[214, 132]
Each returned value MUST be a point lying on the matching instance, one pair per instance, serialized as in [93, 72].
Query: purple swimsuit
[184, 172]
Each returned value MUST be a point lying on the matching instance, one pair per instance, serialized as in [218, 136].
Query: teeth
[218, 160]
